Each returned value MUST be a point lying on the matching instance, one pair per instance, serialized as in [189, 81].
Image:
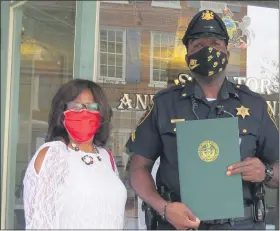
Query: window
[168, 4]
[162, 45]
[112, 55]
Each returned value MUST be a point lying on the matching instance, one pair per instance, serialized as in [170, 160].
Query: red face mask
[82, 125]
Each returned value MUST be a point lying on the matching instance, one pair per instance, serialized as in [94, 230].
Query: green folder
[205, 149]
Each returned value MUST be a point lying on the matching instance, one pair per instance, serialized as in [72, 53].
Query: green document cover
[205, 149]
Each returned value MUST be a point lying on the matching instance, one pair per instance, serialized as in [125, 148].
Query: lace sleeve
[41, 191]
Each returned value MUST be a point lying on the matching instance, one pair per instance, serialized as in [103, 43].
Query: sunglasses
[74, 106]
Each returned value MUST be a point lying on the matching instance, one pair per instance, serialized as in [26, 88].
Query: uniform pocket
[169, 129]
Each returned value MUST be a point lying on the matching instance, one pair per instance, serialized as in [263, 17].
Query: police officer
[208, 95]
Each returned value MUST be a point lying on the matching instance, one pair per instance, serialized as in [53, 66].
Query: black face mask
[207, 61]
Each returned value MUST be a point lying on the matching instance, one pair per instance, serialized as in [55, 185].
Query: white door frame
[6, 140]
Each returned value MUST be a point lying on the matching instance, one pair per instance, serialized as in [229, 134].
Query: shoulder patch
[271, 116]
[247, 90]
[146, 114]
[141, 120]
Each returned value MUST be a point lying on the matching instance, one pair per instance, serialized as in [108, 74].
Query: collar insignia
[133, 136]
[243, 111]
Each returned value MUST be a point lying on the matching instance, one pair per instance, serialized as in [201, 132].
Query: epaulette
[168, 90]
[178, 84]
[244, 88]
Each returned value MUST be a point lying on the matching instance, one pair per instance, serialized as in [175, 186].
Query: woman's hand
[181, 217]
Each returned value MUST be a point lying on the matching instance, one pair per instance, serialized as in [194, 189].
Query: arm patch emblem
[270, 113]
[142, 119]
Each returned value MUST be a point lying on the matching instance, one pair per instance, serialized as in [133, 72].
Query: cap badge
[193, 64]
[242, 111]
[207, 15]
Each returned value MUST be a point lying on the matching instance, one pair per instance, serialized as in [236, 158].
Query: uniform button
[184, 94]
[244, 130]
[174, 130]
[238, 86]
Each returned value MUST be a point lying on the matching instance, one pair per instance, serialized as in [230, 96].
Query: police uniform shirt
[155, 136]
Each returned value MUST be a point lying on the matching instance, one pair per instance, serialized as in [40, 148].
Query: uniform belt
[248, 214]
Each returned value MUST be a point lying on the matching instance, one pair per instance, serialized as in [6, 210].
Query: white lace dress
[68, 194]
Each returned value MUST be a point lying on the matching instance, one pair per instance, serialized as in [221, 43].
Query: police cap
[206, 23]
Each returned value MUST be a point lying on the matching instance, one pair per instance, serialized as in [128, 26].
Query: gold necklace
[87, 159]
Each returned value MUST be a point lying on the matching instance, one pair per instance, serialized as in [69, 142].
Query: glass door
[43, 53]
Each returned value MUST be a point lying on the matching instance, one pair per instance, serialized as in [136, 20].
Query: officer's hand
[181, 217]
[251, 169]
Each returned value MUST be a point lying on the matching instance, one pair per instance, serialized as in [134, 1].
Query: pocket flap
[248, 129]
[170, 128]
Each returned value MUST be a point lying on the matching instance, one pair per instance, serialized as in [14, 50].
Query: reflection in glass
[164, 40]
[111, 60]
[163, 63]
[47, 51]
[163, 44]
[119, 36]
[103, 35]
[156, 63]
[119, 60]
[119, 48]
[103, 58]
[156, 75]
[114, 53]
[119, 72]
[111, 71]
[103, 70]
[153, 35]
[112, 36]
[156, 39]
[163, 76]
[103, 46]
[111, 47]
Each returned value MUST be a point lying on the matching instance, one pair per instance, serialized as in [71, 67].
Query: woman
[72, 181]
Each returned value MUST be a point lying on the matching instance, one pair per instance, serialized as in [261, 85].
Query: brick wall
[147, 18]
